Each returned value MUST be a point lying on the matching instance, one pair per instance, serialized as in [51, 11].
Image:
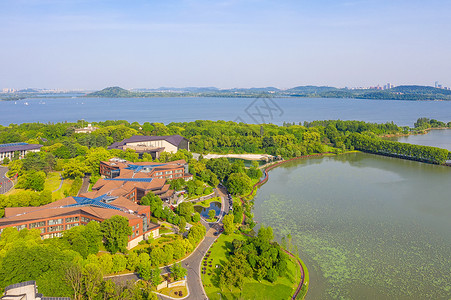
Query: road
[5, 183]
[193, 262]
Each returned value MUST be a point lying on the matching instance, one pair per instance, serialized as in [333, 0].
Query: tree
[119, 263]
[239, 183]
[196, 233]
[144, 270]
[155, 278]
[33, 180]
[220, 166]
[229, 226]
[182, 224]
[74, 169]
[211, 214]
[92, 280]
[178, 271]
[116, 231]
[185, 209]
[74, 277]
[196, 217]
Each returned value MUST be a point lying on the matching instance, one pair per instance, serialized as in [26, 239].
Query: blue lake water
[247, 110]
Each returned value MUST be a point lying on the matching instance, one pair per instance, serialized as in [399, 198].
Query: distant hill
[418, 89]
[406, 92]
[113, 92]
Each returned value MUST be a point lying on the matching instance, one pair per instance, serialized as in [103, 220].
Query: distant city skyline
[93, 44]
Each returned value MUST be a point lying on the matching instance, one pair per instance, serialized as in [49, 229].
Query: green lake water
[367, 226]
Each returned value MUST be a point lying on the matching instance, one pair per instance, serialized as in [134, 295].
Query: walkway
[192, 263]
[84, 186]
[61, 184]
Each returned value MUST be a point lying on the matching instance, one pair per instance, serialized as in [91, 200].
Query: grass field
[283, 288]
[52, 183]
[172, 291]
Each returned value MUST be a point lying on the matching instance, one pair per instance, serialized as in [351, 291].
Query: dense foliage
[416, 152]
[257, 257]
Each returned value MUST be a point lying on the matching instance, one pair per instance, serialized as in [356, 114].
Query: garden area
[218, 255]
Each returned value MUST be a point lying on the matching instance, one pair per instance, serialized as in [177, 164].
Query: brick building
[52, 219]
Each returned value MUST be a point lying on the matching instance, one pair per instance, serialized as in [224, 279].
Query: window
[42, 229]
[37, 224]
[55, 221]
[20, 227]
[69, 226]
[84, 219]
[72, 219]
[56, 228]
[168, 172]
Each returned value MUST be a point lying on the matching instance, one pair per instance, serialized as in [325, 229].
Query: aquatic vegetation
[362, 226]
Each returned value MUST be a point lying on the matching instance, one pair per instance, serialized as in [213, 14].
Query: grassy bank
[206, 203]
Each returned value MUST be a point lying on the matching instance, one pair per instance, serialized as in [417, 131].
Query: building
[26, 291]
[87, 129]
[8, 150]
[132, 189]
[52, 219]
[154, 145]
[119, 167]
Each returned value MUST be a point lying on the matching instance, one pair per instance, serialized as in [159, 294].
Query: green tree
[185, 209]
[119, 263]
[229, 226]
[239, 183]
[116, 231]
[211, 213]
[178, 271]
[155, 278]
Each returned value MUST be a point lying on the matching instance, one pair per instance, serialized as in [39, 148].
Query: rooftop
[18, 147]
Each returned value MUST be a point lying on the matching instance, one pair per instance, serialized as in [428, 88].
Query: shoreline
[424, 131]
[304, 283]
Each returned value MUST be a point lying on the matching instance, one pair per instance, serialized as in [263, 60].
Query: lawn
[283, 288]
[52, 182]
[174, 291]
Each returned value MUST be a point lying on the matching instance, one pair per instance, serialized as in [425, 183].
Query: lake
[367, 226]
[438, 138]
[247, 110]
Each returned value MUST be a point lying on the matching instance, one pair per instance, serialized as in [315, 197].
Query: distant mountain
[113, 92]
[418, 89]
[312, 89]
[406, 92]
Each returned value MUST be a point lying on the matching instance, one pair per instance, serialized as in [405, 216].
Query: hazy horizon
[81, 44]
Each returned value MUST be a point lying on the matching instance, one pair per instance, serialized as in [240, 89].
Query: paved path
[61, 184]
[84, 186]
[193, 262]
[5, 183]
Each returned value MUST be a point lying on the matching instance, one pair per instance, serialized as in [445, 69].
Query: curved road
[193, 262]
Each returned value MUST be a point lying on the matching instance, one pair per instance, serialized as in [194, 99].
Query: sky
[92, 44]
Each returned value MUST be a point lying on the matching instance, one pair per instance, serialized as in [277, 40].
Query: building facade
[8, 150]
[56, 217]
[154, 145]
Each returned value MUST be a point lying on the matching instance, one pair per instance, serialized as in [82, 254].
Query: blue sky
[91, 44]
